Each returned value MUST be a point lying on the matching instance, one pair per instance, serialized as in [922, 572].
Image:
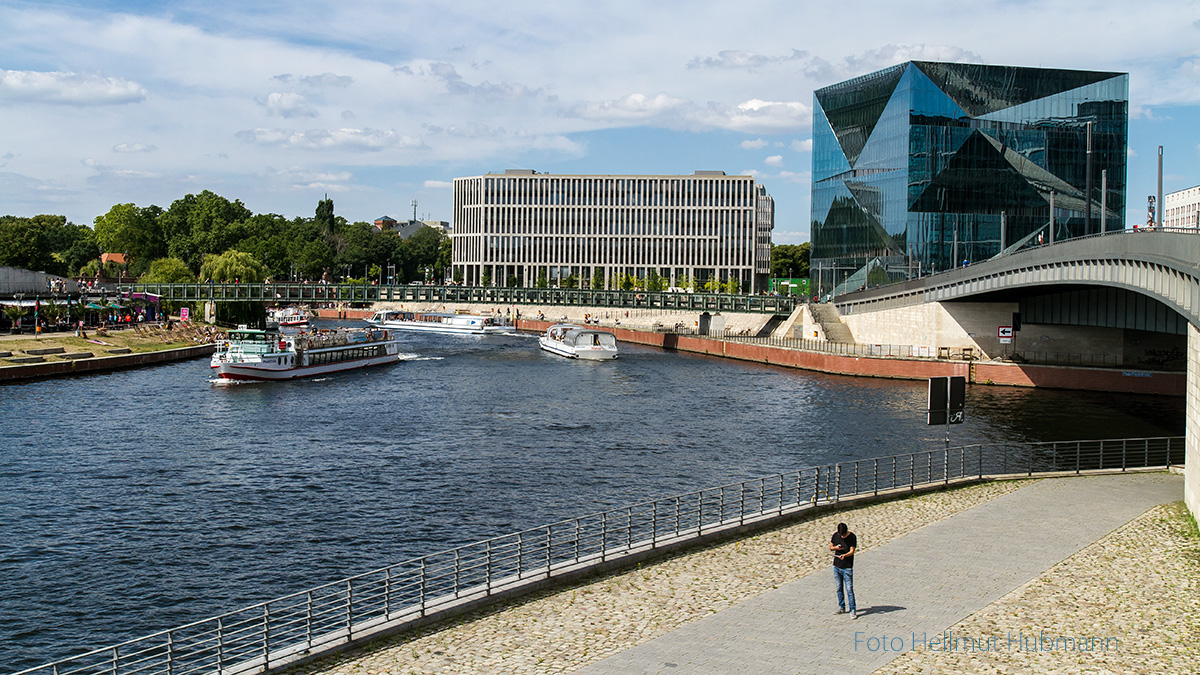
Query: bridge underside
[1146, 284]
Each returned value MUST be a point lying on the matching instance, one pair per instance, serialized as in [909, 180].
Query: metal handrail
[277, 632]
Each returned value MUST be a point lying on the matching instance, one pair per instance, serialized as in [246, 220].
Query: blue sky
[377, 103]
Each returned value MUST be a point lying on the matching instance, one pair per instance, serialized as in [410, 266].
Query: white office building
[1182, 209]
[521, 226]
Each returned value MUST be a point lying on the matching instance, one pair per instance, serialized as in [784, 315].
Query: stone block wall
[935, 324]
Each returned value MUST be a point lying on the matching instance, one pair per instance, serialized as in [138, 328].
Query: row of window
[353, 354]
[735, 191]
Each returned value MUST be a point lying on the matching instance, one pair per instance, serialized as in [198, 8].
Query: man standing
[843, 544]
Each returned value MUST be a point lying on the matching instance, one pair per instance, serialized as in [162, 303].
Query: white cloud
[287, 104]
[774, 160]
[634, 107]
[370, 140]
[802, 146]
[438, 184]
[133, 147]
[327, 80]
[756, 144]
[67, 88]
[768, 116]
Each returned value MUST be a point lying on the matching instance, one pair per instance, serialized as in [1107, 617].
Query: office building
[1182, 209]
[522, 226]
[925, 166]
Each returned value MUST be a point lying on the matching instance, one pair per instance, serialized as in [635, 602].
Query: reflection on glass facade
[917, 166]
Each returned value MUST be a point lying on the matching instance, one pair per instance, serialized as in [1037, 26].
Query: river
[138, 500]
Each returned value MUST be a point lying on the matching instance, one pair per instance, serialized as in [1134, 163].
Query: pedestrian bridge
[1158, 264]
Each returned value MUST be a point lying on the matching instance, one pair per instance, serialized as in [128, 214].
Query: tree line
[207, 236]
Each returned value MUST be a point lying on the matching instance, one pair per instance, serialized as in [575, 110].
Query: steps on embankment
[831, 324]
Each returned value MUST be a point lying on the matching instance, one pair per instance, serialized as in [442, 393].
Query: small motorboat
[577, 342]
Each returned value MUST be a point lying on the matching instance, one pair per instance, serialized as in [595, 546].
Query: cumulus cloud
[288, 104]
[633, 107]
[756, 144]
[768, 116]
[802, 146]
[133, 147]
[439, 184]
[774, 160]
[891, 54]
[368, 140]
[67, 88]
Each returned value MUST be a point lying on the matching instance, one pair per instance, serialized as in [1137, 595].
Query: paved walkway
[919, 584]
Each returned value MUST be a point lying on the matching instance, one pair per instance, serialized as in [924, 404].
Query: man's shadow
[880, 609]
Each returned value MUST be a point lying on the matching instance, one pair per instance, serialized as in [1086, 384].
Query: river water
[135, 501]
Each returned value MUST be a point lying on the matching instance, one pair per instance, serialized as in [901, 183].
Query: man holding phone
[843, 544]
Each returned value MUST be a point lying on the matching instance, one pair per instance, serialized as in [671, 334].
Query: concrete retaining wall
[1191, 470]
[102, 364]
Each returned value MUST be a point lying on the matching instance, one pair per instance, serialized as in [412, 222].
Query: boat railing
[274, 634]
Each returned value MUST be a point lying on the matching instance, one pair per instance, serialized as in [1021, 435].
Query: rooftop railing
[280, 632]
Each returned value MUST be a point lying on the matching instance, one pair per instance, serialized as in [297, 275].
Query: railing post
[576, 540]
[349, 608]
[308, 620]
[875, 479]
[837, 483]
[266, 636]
[549, 546]
[221, 644]
[816, 486]
[946, 467]
[422, 586]
[457, 569]
[980, 455]
[654, 524]
[113, 670]
[603, 534]
[1101, 467]
[487, 564]
[1146, 445]
[1123, 454]
[1077, 444]
[742, 503]
[387, 593]
[629, 528]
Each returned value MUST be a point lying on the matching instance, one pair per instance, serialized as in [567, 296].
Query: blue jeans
[845, 580]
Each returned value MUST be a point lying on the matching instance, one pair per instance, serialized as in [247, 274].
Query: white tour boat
[248, 354]
[577, 342]
[437, 322]
[288, 316]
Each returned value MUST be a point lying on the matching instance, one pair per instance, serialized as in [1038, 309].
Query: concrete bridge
[1140, 280]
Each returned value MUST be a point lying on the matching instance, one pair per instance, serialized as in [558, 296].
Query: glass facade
[925, 166]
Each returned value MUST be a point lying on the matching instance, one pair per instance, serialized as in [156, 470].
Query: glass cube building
[925, 166]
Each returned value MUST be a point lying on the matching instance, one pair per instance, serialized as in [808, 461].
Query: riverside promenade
[1079, 557]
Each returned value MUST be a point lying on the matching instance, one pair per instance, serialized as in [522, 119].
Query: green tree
[24, 243]
[598, 278]
[571, 281]
[233, 265]
[374, 273]
[445, 257]
[204, 224]
[133, 231]
[14, 313]
[325, 218]
[654, 282]
[168, 271]
[486, 279]
[732, 285]
[790, 260]
[627, 282]
[543, 281]
[512, 281]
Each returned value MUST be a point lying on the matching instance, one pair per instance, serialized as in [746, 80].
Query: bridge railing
[285, 293]
[278, 632]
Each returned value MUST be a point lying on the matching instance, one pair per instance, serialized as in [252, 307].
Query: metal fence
[275, 633]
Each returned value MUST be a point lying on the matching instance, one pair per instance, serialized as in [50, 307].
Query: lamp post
[20, 300]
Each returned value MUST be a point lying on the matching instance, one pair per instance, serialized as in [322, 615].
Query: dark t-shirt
[846, 543]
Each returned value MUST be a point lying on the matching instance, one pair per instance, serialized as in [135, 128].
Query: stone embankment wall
[103, 363]
[1191, 483]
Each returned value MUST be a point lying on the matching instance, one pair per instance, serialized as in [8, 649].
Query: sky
[377, 103]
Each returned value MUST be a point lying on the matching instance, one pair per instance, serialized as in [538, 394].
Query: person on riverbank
[843, 544]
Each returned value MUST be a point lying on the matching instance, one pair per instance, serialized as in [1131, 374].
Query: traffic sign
[1004, 331]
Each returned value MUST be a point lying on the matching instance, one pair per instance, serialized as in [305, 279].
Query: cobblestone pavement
[562, 630]
[1139, 586]
[911, 589]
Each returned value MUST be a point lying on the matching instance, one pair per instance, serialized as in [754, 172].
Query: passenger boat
[438, 322]
[288, 316]
[577, 342]
[249, 354]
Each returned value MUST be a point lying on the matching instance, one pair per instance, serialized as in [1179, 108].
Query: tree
[790, 260]
[571, 281]
[486, 279]
[325, 218]
[627, 282]
[542, 280]
[133, 231]
[233, 265]
[512, 281]
[598, 278]
[168, 271]
[654, 282]
[24, 244]
[732, 285]
[203, 224]
[14, 314]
